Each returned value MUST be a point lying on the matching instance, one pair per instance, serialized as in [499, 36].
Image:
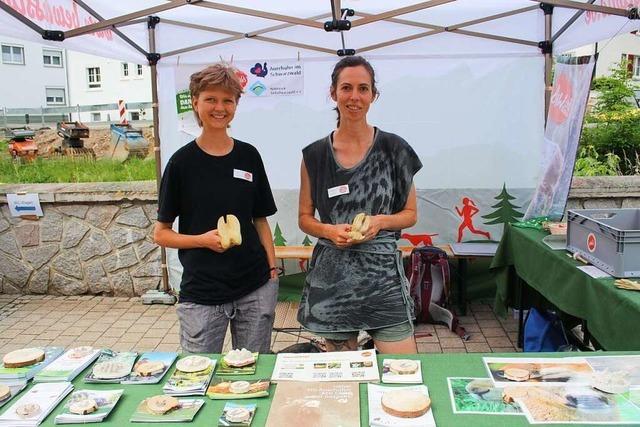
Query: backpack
[429, 283]
[543, 331]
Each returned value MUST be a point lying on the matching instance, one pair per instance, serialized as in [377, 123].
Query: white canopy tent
[168, 34]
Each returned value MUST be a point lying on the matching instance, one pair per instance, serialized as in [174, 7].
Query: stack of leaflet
[150, 368]
[191, 377]
[104, 400]
[69, 365]
[18, 377]
[34, 406]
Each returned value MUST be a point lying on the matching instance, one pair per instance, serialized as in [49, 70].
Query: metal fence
[44, 115]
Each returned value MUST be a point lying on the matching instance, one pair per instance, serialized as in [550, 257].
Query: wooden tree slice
[162, 404]
[405, 403]
[83, 407]
[23, 357]
[191, 364]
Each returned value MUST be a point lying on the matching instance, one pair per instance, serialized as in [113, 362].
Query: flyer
[359, 366]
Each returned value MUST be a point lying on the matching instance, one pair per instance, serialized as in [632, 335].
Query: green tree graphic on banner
[278, 238]
[307, 241]
[506, 212]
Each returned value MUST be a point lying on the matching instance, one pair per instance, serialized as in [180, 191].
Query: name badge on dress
[338, 191]
[240, 174]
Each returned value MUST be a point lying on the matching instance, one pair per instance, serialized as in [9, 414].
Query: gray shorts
[203, 327]
[386, 334]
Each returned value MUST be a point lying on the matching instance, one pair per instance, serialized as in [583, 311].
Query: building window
[96, 117]
[139, 70]
[55, 96]
[124, 70]
[12, 54]
[93, 78]
[135, 115]
[52, 58]
[636, 67]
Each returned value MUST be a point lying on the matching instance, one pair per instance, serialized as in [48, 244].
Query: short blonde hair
[219, 74]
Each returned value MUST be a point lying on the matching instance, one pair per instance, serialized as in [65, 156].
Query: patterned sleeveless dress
[362, 287]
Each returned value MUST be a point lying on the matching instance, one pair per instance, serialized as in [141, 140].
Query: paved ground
[125, 323]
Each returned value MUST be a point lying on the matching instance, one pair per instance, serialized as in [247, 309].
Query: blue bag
[543, 331]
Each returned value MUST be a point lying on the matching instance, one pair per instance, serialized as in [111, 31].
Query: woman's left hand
[375, 225]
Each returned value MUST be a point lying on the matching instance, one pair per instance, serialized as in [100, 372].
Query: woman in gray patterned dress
[357, 285]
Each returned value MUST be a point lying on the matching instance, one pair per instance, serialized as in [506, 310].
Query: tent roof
[196, 31]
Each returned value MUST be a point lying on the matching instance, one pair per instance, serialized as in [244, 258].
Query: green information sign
[183, 101]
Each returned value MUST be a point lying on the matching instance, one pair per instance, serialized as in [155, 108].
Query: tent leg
[548, 61]
[156, 145]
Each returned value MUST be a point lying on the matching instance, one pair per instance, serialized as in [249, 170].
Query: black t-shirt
[200, 188]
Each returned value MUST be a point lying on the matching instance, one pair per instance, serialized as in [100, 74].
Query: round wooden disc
[239, 387]
[405, 403]
[83, 406]
[5, 392]
[237, 415]
[28, 410]
[193, 364]
[403, 366]
[110, 370]
[162, 404]
[149, 368]
[239, 358]
[23, 357]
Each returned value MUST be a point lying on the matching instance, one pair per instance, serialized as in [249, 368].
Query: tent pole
[151, 28]
[548, 57]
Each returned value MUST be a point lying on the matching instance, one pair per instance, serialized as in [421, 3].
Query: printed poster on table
[333, 366]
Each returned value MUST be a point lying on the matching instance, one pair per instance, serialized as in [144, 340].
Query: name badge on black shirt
[338, 191]
[240, 174]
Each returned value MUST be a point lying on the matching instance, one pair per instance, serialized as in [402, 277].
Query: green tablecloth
[435, 370]
[612, 314]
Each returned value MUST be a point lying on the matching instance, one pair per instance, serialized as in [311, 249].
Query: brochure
[401, 371]
[379, 418]
[34, 406]
[183, 414]
[139, 375]
[111, 367]
[7, 375]
[237, 414]
[479, 396]
[358, 366]
[189, 383]
[69, 365]
[226, 389]
[105, 400]
[13, 389]
[307, 404]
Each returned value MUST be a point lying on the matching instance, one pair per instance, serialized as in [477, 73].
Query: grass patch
[62, 170]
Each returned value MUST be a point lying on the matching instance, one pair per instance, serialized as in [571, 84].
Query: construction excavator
[127, 142]
[21, 143]
[72, 145]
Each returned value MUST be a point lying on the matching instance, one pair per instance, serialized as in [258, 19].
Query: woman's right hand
[339, 234]
[211, 240]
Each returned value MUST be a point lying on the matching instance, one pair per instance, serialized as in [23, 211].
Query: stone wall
[93, 239]
[97, 238]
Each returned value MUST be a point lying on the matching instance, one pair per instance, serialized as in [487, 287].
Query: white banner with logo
[562, 134]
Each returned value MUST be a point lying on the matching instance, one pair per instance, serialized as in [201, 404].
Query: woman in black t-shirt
[210, 177]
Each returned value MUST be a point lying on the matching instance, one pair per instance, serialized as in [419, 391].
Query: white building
[32, 75]
[96, 81]
[613, 51]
